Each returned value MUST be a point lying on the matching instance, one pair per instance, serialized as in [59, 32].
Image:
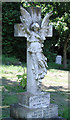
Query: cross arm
[20, 31]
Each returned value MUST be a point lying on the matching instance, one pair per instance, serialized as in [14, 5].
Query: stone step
[18, 111]
[35, 101]
[8, 118]
[58, 118]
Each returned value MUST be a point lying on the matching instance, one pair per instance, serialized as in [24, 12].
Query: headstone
[34, 103]
[58, 59]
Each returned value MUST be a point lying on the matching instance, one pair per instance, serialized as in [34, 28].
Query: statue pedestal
[34, 106]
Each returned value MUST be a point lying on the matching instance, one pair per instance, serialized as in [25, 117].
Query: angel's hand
[42, 38]
[50, 13]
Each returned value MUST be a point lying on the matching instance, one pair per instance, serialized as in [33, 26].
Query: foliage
[8, 18]
[23, 80]
[53, 65]
[61, 25]
[51, 57]
[9, 60]
[12, 45]
[60, 21]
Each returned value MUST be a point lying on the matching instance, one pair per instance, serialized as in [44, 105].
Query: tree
[12, 46]
[61, 24]
[65, 52]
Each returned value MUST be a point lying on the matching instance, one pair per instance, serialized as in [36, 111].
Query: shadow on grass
[55, 88]
[11, 86]
[60, 96]
[10, 92]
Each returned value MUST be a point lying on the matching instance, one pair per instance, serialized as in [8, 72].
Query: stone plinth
[34, 101]
[34, 106]
[18, 111]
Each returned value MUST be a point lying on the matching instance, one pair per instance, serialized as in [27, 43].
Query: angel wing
[25, 18]
[45, 26]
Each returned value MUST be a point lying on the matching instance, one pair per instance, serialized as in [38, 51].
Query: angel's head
[35, 27]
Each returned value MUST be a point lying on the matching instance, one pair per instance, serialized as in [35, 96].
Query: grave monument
[58, 59]
[34, 103]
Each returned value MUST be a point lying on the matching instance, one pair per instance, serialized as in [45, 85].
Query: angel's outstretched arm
[24, 28]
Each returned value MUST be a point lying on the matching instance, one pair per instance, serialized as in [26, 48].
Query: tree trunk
[65, 52]
[65, 56]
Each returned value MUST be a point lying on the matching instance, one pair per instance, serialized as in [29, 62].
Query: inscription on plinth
[36, 114]
[49, 112]
[45, 112]
[35, 101]
[39, 101]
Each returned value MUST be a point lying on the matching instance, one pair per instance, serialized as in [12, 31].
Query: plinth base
[18, 111]
[34, 106]
[8, 119]
[59, 118]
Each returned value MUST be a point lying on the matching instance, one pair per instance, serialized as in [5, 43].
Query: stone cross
[36, 32]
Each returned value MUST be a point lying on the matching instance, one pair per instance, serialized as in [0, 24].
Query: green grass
[10, 86]
[9, 77]
[7, 100]
[54, 82]
[65, 113]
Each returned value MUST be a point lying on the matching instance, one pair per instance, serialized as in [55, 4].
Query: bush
[51, 57]
[12, 45]
[9, 60]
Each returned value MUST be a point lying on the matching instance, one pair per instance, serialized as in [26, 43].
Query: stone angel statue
[36, 32]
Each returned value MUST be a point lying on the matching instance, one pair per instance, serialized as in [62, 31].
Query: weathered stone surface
[18, 111]
[34, 101]
[36, 32]
[35, 13]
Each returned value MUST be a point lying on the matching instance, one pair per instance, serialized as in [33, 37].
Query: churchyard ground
[56, 82]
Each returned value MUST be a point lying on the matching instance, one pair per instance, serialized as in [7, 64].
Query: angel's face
[35, 27]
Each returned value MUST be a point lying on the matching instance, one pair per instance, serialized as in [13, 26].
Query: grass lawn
[55, 82]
